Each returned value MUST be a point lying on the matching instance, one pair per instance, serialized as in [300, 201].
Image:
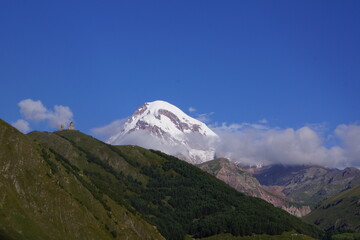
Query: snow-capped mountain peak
[161, 125]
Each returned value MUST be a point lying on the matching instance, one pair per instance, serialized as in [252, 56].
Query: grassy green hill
[45, 197]
[68, 185]
[339, 213]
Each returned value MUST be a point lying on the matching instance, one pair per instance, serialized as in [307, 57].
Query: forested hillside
[56, 185]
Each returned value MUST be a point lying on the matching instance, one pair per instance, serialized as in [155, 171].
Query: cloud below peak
[258, 144]
[104, 132]
[261, 144]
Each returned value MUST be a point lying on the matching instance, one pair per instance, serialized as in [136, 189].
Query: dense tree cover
[179, 198]
[205, 206]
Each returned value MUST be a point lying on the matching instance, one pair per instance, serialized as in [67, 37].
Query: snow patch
[171, 130]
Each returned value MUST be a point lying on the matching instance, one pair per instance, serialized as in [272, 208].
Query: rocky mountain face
[308, 184]
[162, 126]
[299, 211]
[244, 182]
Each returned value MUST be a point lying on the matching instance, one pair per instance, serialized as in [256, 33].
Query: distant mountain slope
[308, 184]
[162, 126]
[177, 197]
[341, 212]
[45, 197]
[242, 181]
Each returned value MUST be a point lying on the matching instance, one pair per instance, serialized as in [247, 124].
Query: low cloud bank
[259, 144]
[350, 143]
[145, 140]
[35, 111]
[105, 132]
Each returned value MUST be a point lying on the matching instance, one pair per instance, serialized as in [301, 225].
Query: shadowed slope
[339, 213]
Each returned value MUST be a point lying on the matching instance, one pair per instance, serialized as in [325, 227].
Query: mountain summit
[162, 126]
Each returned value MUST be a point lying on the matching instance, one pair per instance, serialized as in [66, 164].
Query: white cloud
[32, 110]
[256, 144]
[191, 109]
[235, 127]
[261, 144]
[350, 141]
[35, 111]
[21, 125]
[105, 132]
[204, 117]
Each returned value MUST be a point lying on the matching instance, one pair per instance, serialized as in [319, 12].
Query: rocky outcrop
[297, 211]
[244, 182]
[308, 184]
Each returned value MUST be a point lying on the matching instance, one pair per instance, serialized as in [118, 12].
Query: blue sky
[293, 63]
